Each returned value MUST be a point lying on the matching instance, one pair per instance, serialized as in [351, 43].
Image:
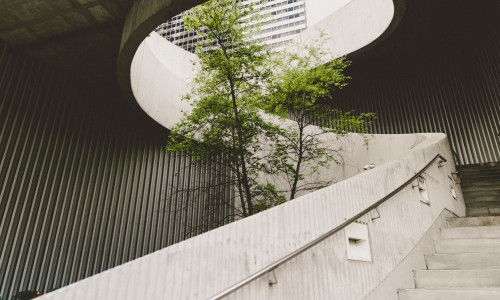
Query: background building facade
[287, 18]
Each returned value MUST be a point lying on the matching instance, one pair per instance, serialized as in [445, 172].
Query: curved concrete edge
[357, 26]
[206, 264]
[158, 90]
[149, 65]
[352, 29]
[399, 11]
[142, 19]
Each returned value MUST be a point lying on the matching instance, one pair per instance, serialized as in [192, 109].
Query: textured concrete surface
[207, 264]
[402, 275]
[466, 265]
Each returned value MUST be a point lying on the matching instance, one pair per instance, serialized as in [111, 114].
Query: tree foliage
[234, 86]
[302, 87]
[227, 97]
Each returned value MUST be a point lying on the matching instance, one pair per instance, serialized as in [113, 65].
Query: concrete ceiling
[72, 35]
[83, 37]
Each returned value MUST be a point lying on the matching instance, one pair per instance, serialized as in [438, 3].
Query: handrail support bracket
[272, 278]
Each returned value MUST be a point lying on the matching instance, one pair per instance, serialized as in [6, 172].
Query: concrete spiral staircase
[466, 265]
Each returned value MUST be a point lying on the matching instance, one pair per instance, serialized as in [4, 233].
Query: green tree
[227, 97]
[302, 88]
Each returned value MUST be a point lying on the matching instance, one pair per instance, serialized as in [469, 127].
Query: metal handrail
[458, 164]
[269, 268]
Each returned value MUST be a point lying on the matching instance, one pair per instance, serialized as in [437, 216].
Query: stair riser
[474, 261]
[472, 174]
[467, 172]
[483, 191]
[482, 180]
[483, 210]
[479, 221]
[468, 246]
[483, 199]
[457, 279]
[478, 196]
[480, 173]
[449, 295]
[478, 232]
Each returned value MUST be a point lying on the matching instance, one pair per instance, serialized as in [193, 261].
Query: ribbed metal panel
[83, 189]
[450, 84]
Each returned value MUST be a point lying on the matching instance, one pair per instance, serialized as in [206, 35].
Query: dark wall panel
[439, 72]
[84, 187]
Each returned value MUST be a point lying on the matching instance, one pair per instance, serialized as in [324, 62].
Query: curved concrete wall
[159, 74]
[143, 18]
[354, 26]
[204, 265]
[160, 71]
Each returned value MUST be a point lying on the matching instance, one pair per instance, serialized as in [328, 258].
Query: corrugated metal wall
[436, 77]
[82, 189]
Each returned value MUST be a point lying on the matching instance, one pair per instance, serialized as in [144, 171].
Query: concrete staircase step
[471, 196]
[479, 204]
[436, 279]
[478, 179]
[473, 232]
[463, 261]
[449, 294]
[469, 172]
[474, 221]
[468, 246]
[486, 198]
[493, 189]
[473, 168]
[467, 263]
[474, 211]
[483, 179]
[475, 173]
[481, 174]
